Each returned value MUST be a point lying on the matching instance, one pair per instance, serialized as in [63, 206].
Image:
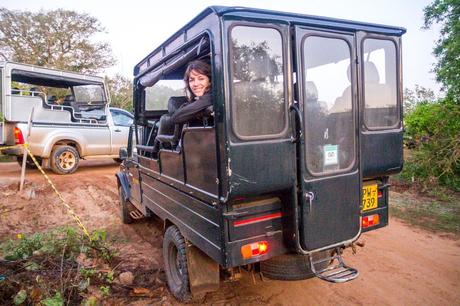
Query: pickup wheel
[291, 266]
[124, 208]
[64, 159]
[175, 261]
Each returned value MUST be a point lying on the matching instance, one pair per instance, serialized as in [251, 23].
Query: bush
[68, 242]
[55, 267]
[435, 130]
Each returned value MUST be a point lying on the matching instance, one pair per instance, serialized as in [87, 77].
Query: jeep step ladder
[136, 214]
[336, 272]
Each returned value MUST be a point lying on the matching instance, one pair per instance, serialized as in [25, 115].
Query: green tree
[418, 95]
[447, 48]
[157, 97]
[121, 91]
[58, 39]
[435, 129]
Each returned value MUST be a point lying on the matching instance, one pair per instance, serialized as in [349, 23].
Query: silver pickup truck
[69, 112]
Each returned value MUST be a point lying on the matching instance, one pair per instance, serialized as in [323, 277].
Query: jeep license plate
[370, 197]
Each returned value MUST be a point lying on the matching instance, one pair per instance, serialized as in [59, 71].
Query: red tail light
[18, 137]
[254, 249]
[371, 220]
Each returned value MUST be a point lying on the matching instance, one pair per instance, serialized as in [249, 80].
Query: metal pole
[24, 151]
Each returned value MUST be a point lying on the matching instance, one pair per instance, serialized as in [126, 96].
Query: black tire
[64, 160]
[125, 208]
[291, 266]
[29, 163]
[175, 263]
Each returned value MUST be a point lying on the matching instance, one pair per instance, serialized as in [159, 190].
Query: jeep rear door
[328, 161]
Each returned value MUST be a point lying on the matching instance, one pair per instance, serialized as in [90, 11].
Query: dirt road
[398, 265]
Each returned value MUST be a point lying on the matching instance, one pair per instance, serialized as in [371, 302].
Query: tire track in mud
[400, 265]
[38, 208]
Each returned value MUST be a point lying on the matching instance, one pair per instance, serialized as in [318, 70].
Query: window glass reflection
[258, 102]
[329, 126]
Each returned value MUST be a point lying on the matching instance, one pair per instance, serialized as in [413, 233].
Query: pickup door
[119, 130]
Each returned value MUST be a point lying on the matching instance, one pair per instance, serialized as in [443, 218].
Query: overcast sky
[135, 28]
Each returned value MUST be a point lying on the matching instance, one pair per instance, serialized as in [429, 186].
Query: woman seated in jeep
[197, 80]
[190, 109]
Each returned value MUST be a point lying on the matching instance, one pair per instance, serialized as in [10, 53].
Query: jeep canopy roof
[171, 57]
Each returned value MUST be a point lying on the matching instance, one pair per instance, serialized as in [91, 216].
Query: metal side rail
[336, 272]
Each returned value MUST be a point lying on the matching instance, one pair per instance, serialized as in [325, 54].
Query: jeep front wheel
[125, 207]
[175, 261]
[64, 159]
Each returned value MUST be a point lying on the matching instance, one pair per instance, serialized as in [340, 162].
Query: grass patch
[435, 209]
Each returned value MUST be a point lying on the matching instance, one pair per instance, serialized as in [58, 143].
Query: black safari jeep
[292, 164]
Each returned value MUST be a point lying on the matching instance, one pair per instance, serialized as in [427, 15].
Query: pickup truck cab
[69, 113]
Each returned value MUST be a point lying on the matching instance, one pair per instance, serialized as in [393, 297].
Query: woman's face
[198, 83]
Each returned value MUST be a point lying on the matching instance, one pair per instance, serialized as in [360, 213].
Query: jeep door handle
[298, 115]
[309, 196]
[117, 130]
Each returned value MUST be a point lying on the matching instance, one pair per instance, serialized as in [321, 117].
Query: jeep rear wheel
[291, 266]
[64, 159]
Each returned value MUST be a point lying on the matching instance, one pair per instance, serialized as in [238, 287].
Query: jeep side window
[380, 98]
[258, 99]
[157, 96]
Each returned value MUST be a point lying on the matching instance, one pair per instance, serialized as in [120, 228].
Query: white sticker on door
[330, 155]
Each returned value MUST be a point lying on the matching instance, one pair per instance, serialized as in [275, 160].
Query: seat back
[380, 107]
[378, 95]
[75, 106]
[68, 99]
[169, 133]
[52, 99]
[34, 91]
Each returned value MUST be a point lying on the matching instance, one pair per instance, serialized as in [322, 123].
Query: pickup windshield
[89, 94]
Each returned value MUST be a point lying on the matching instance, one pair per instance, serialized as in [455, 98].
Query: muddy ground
[399, 264]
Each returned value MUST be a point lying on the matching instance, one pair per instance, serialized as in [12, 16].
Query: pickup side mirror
[123, 153]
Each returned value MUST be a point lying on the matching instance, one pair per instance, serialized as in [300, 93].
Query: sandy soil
[398, 265]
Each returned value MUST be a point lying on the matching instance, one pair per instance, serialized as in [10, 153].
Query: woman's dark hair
[199, 66]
